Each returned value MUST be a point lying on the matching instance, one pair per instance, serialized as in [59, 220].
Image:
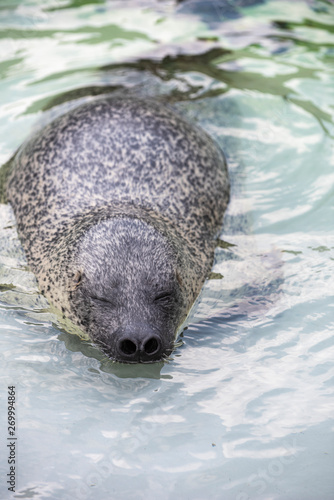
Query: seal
[118, 204]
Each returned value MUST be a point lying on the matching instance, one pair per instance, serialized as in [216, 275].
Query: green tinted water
[244, 410]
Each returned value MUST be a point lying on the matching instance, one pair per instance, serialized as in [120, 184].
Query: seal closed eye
[118, 204]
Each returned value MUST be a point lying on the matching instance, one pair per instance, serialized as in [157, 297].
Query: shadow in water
[175, 68]
[122, 370]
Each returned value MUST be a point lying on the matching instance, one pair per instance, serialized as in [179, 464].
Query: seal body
[118, 204]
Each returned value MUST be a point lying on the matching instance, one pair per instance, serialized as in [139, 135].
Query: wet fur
[110, 167]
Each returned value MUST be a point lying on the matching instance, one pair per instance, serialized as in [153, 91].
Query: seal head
[125, 290]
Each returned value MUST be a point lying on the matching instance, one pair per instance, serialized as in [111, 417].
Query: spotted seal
[118, 204]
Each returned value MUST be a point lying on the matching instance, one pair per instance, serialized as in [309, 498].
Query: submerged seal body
[118, 204]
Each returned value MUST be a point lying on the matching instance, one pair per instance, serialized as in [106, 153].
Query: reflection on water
[243, 409]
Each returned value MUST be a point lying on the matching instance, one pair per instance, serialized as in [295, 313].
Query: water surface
[244, 409]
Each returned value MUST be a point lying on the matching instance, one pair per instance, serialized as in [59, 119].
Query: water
[244, 410]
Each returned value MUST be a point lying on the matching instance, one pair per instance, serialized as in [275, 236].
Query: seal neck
[192, 258]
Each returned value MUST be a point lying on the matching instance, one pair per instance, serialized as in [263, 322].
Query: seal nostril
[128, 347]
[151, 346]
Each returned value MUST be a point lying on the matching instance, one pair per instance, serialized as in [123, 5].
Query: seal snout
[138, 346]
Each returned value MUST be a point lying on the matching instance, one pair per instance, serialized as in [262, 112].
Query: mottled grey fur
[118, 204]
